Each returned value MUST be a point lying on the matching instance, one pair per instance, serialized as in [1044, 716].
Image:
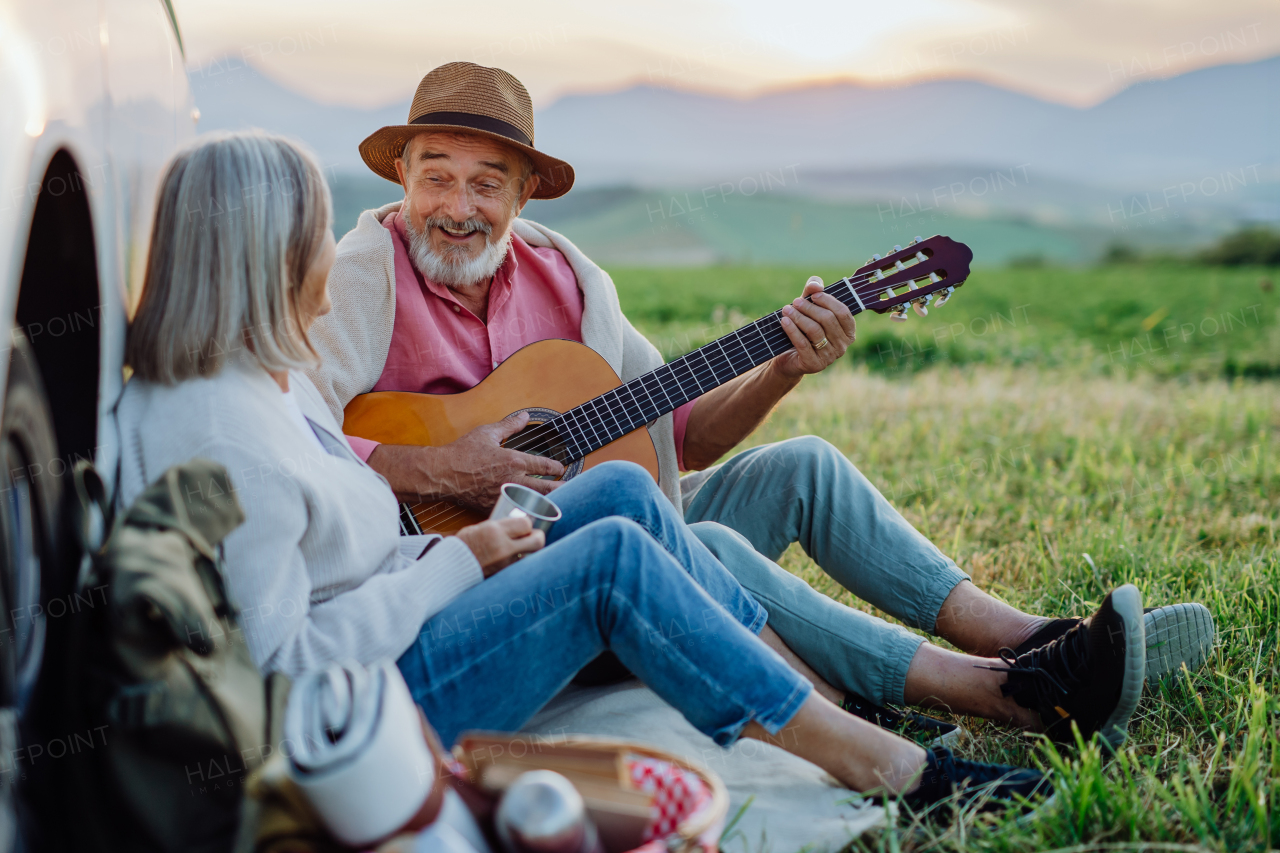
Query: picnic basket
[641, 799]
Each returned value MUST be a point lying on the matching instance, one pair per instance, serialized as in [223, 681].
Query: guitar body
[591, 416]
[546, 378]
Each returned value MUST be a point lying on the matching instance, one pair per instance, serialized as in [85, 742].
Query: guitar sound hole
[541, 439]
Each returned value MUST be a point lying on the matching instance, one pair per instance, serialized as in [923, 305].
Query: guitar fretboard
[646, 398]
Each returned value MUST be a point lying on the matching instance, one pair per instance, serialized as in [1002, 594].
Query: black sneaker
[995, 785]
[1177, 635]
[1092, 674]
[926, 731]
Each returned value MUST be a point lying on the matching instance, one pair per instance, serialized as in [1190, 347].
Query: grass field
[1167, 319]
[1053, 472]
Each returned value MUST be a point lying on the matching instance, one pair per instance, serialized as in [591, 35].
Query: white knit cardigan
[354, 338]
[318, 568]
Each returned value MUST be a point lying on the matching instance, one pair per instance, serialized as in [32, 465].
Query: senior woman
[239, 255]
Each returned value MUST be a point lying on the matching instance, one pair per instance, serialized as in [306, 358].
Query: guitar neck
[644, 399]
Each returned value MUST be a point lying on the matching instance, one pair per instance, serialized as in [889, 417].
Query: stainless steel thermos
[541, 812]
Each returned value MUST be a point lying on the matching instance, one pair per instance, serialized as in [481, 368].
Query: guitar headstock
[912, 275]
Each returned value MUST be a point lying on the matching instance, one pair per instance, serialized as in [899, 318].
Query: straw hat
[469, 98]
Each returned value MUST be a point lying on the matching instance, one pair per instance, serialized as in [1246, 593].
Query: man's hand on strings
[469, 471]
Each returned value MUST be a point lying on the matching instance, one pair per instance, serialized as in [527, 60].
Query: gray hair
[239, 220]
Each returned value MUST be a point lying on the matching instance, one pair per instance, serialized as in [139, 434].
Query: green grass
[1166, 319]
[1051, 487]
[1053, 467]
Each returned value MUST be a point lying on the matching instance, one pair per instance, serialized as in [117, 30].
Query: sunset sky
[374, 52]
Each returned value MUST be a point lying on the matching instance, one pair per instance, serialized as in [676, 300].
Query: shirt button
[457, 310]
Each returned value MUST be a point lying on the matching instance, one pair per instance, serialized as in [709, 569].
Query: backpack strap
[93, 507]
[91, 518]
[195, 498]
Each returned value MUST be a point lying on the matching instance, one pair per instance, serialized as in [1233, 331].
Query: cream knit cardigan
[354, 338]
[318, 569]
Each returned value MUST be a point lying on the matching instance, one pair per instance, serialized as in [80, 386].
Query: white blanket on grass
[794, 805]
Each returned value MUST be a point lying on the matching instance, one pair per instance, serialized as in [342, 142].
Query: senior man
[432, 293]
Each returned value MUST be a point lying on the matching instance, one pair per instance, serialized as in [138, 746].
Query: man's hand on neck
[726, 415]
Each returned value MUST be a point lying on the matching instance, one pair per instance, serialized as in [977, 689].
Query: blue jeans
[622, 572]
[751, 508]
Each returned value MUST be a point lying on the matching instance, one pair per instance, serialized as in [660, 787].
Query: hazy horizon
[371, 55]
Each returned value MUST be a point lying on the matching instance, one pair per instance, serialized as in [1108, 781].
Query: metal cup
[519, 501]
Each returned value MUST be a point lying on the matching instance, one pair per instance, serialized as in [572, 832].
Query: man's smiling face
[462, 192]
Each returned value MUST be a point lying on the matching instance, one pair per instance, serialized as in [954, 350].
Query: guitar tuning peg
[917, 239]
[875, 257]
[921, 304]
[897, 248]
[899, 313]
[944, 296]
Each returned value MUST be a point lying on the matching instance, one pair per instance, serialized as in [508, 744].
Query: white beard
[454, 268]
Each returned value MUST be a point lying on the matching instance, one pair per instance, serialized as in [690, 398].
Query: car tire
[31, 486]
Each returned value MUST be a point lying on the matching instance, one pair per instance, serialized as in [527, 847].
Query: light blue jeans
[621, 571]
[751, 508]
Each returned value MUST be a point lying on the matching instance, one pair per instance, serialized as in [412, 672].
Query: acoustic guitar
[582, 414]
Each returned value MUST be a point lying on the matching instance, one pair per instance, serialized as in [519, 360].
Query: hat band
[477, 122]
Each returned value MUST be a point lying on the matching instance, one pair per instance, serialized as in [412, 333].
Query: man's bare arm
[469, 471]
[726, 415]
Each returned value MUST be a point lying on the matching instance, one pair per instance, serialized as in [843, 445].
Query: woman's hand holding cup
[497, 544]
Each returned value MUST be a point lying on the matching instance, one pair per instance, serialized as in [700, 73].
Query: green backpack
[162, 672]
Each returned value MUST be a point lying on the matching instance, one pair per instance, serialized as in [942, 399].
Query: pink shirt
[439, 347]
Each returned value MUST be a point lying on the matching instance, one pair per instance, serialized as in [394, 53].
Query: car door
[151, 113]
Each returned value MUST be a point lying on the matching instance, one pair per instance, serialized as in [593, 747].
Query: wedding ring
[820, 344]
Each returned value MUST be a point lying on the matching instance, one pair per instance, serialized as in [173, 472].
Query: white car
[95, 101]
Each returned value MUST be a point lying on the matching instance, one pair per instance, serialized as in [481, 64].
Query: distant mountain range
[1186, 128]
[1172, 162]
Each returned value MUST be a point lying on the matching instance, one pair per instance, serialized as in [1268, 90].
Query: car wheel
[30, 498]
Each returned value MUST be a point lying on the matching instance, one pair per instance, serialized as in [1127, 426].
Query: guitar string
[452, 511]
[754, 351]
[544, 436]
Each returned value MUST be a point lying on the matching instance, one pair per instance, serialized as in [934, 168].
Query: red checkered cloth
[678, 794]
